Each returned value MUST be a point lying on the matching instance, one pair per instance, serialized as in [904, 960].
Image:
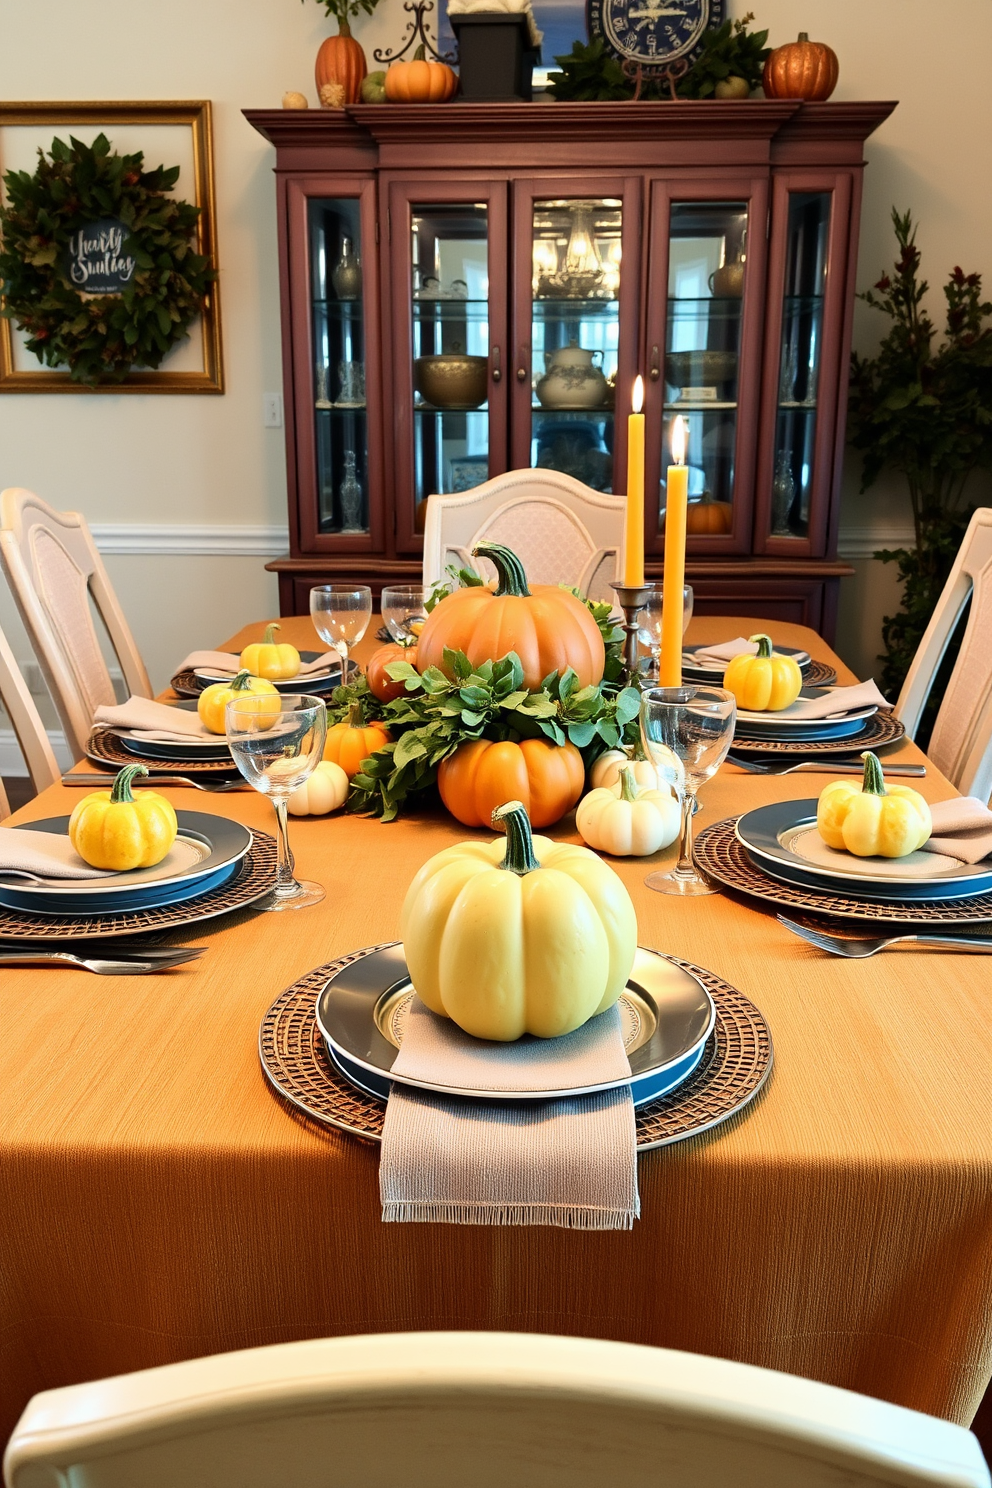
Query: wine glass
[404, 611]
[276, 751]
[341, 615]
[696, 724]
[649, 624]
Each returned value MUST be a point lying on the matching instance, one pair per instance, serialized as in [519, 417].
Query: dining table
[160, 1201]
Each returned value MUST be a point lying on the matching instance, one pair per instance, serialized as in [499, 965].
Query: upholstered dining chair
[25, 720]
[54, 571]
[961, 742]
[476, 1410]
[563, 531]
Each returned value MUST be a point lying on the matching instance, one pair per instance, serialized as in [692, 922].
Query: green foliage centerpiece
[924, 410]
[98, 262]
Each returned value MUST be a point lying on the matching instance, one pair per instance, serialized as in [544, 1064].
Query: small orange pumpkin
[420, 81]
[548, 778]
[352, 741]
[381, 684]
[709, 516]
[341, 61]
[801, 69]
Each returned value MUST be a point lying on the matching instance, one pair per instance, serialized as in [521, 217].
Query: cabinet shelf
[341, 309]
[437, 312]
[596, 413]
[809, 407]
[711, 405]
[574, 309]
[429, 408]
[341, 408]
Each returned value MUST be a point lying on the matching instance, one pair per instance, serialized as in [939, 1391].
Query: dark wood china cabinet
[711, 247]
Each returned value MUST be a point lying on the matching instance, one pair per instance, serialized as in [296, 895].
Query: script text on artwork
[95, 261]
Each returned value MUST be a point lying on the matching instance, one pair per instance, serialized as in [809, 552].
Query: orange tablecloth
[159, 1202]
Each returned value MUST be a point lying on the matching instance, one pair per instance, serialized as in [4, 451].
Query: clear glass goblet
[341, 615]
[697, 725]
[276, 751]
[404, 611]
[649, 625]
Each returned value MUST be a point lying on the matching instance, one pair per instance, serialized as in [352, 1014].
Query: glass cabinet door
[701, 369]
[338, 373]
[576, 247]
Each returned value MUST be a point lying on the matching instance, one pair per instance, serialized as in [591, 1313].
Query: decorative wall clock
[652, 34]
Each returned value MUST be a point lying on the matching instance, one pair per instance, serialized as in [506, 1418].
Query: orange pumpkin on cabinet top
[480, 776]
[801, 69]
[547, 627]
[341, 61]
[352, 741]
[420, 81]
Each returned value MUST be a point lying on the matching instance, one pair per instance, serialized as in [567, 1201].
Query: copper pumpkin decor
[801, 69]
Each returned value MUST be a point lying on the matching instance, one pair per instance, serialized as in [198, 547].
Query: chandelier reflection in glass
[578, 273]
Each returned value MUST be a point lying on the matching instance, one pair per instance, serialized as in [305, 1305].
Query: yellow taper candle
[677, 500]
[633, 544]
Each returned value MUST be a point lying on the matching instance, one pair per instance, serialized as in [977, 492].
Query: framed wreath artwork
[108, 253]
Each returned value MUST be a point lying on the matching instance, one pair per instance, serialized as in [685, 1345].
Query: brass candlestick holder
[631, 598]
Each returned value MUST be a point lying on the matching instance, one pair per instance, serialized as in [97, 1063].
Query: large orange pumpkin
[381, 684]
[549, 629]
[801, 69]
[341, 60]
[420, 81]
[548, 778]
[352, 741]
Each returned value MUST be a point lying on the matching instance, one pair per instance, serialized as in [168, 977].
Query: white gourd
[626, 821]
[606, 770]
[325, 791]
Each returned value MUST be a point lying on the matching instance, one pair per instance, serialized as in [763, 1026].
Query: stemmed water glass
[276, 752]
[649, 623]
[696, 724]
[404, 610]
[341, 615]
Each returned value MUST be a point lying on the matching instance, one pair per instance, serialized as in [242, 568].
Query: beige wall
[189, 462]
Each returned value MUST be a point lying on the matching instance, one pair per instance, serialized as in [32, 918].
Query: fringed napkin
[570, 1162]
[962, 828]
[717, 656]
[161, 722]
[226, 661]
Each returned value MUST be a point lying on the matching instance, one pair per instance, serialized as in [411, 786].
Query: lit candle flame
[679, 430]
[637, 397]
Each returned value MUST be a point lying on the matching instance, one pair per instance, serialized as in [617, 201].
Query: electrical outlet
[272, 410]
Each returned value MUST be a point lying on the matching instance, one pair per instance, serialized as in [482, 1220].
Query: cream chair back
[54, 571]
[562, 531]
[961, 742]
[476, 1410]
[26, 722]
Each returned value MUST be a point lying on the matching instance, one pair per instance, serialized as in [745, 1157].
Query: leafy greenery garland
[437, 713]
[100, 338]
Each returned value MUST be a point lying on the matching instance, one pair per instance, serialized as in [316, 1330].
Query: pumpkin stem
[270, 634]
[509, 569]
[356, 716]
[764, 645]
[873, 783]
[242, 682]
[629, 789]
[344, 25]
[121, 795]
[520, 856]
[420, 54]
[804, 36]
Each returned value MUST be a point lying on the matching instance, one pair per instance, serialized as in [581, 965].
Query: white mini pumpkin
[326, 790]
[627, 821]
[606, 770]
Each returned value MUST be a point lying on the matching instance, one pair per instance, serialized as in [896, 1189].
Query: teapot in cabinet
[573, 379]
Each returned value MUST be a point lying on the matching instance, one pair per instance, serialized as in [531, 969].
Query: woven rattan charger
[104, 748]
[881, 729]
[736, 1063]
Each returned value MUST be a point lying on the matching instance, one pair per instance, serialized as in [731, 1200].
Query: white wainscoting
[224, 541]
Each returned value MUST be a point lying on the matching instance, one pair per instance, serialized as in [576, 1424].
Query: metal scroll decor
[416, 35]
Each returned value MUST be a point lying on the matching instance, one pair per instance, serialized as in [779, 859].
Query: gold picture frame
[139, 118]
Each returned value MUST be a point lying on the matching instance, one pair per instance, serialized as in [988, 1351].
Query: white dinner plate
[784, 725]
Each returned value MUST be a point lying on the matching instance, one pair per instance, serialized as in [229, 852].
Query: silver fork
[102, 965]
[814, 767]
[869, 945]
[152, 781]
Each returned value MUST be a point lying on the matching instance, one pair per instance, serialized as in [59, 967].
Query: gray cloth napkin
[569, 1162]
[226, 661]
[146, 719]
[962, 828]
[43, 854]
[717, 656]
[834, 703]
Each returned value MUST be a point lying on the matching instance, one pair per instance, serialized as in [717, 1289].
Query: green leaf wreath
[438, 712]
[100, 338]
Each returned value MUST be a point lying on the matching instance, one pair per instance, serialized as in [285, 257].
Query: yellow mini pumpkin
[764, 683]
[521, 936]
[115, 830]
[872, 819]
[269, 659]
[213, 700]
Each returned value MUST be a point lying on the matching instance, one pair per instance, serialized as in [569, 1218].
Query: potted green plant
[924, 410]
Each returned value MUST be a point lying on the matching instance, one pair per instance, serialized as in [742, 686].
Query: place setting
[708, 661]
